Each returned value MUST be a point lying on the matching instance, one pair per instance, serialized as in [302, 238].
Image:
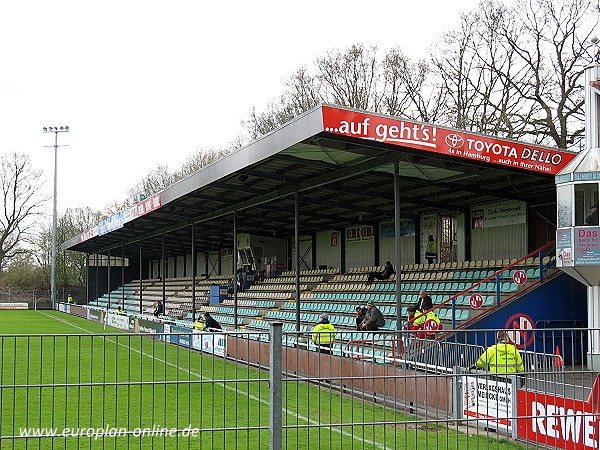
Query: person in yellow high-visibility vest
[324, 334]
[199, 324]
[503, 357]
[428, 323]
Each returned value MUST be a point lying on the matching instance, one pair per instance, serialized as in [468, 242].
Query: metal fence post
[275, 386]
[458, 393]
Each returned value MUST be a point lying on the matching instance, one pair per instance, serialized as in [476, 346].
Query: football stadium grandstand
[284, 232]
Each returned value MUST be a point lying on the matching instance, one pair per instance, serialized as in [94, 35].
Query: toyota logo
[454, 141]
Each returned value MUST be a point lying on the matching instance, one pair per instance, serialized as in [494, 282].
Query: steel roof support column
[194, 265]
[235, 271]
[397, 245]
[297, 255]
[141, 276]
[343, 250]
[87, 278]
[376, 249]
[97, 277]
[163, 271]
[219, 262]
[108, 278]
[206, 263]
[314, 250]
[123, 275]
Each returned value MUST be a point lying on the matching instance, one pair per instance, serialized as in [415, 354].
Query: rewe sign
[557, 422]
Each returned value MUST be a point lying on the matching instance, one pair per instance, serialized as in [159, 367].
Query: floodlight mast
[54, 130]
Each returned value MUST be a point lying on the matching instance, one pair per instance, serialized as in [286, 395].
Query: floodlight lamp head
[594, 39]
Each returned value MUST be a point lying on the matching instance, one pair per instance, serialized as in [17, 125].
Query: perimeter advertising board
[147, 326]
[78, 310]
[181, 336]
[444, 141]
[96, 315]
[13, 305]
[489, 401]
[214, 343]
[117, 321]
[557, 422]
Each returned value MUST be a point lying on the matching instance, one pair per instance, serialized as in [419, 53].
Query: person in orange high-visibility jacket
[502, 357]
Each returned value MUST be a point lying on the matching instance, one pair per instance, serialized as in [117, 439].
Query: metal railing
[176, 388]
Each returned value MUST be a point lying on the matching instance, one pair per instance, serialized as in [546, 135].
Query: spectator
[424, 303]
[360, 315]
[199, 324]
[240, 281]
[502, 357]
[387, 272]
[210, 323]
[428, 323]
[592, 219]
[160, 309]
[430, 249]
[410, 324]
[324, 334]
[373, 318]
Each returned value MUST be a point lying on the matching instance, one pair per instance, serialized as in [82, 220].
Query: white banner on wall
[362, 233]
[510, 212]
[117, 321]
[488, 400]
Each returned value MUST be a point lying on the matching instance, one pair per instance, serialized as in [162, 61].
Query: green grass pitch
[129, 386]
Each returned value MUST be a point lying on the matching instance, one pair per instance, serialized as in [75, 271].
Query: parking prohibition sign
[476, 301]
[519, 277]
[520, 329]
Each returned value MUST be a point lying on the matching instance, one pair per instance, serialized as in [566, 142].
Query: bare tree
[157, 180]
[70, 265]
[199, 160]
[409, 89]
[20, 186]
[351, 78]
[517, 71]
[512, 71]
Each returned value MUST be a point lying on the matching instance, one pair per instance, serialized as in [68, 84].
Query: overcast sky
[143, 83]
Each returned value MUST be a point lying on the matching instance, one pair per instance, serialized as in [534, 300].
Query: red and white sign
[520, 277]
[354, 234]
[431, 325]
[445, 141]
[334, 238]
[520, 330]
[476, 301]
[557, 422]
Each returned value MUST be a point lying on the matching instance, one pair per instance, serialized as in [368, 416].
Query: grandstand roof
[341, 162]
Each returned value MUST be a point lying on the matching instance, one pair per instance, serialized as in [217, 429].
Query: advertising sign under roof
[444, 141]
[119, 219]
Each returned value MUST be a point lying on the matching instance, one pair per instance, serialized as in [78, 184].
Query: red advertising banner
[444, 141]
[556, 422]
